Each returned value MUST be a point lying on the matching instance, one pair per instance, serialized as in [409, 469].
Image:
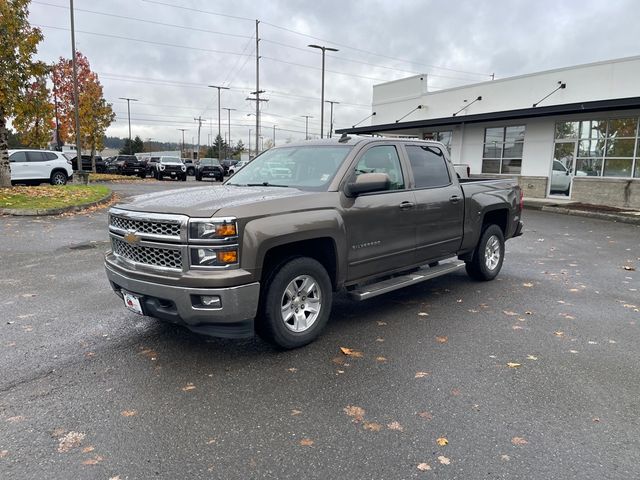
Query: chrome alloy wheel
[59, 178]
[301, 303]
[492, 253]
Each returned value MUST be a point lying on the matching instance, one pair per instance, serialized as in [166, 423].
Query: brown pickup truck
[266, 251]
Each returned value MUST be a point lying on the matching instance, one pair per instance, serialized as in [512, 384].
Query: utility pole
[183, 130]
[257, 100]
[323, 48]
[129, 116]
[199, 120]
[306, 126]
[249, 143]
[219, 145]
[331, 116]
[75, 89]
[229, 110]
[274, 134]
[257, 92]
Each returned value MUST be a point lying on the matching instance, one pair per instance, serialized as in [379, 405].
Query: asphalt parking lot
[531, 376]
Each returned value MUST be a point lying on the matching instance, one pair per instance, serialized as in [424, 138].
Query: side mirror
[368, 182]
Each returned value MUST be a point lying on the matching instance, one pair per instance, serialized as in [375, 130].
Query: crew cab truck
[261, 254]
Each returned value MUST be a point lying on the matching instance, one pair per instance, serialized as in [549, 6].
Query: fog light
[211, 301]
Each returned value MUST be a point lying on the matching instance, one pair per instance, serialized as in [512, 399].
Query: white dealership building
[566, 133]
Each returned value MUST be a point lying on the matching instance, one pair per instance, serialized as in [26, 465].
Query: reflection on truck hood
[206, 201]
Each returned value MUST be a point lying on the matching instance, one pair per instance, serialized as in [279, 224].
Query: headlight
[161, 167]
[213, 257]
[213, 229]
[184, 169]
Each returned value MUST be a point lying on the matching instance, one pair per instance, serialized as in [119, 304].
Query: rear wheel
[488, 256]
[296, 304]
[58, 178]
[184, 178]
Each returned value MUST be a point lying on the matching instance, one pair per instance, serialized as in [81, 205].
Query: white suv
[37, 166]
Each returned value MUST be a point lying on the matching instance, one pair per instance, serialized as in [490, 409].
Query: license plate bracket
[132, 302]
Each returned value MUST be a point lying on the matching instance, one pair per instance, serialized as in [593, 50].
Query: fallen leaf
[529, 285]
[591, 342]
[93, 461]
[306, 442]
[338, 360]
[129, 413]
[188, 386]
[117, 477]
[423, 467]
[473, 310]
[531, 357]
[381, 324]
[425, 415]
[381, 359]
[441, 339]
[444, 460]
[350, 352]
[505, 458]
[16, 419]
[379, 339]
[4, 453]
[69, 441]
[558, 334]
[295, 412]
[88, 449]
[421, 374]
[211, 441]
[292, 369]
[595, 420]
[510, 313]
[373, 426]
[574, 290]
[442, 441]
[459, 300]
[513, 365]
[573, 351]
[455, 392]
[423, 314]
[517, 327]
[395, 426]
[518, 441]
[356, 412]
[528, 313]
[629, 268]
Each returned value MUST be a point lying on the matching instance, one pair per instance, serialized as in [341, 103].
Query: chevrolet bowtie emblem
[131, 238]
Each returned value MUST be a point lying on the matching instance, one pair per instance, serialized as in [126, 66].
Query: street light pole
[306, 126]
[129, 100]
[76, 99]
[220, 144]
[331, 116]
[182, 130]
[274, 134]
[323, 48]
[249, 143]
[229, 110]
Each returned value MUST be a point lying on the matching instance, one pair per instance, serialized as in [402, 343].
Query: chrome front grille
[142, 226]
[156, 256]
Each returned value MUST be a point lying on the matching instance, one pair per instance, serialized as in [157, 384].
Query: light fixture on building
[467, 106]
[560, 87]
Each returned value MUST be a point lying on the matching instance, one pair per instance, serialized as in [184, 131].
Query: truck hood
[206, 201]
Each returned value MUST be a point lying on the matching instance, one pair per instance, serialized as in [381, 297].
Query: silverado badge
[131, 238]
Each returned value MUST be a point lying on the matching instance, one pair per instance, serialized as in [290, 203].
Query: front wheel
[488, 256]
[296, 303]
[58, 178]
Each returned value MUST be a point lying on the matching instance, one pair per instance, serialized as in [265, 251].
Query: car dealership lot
[90, 390]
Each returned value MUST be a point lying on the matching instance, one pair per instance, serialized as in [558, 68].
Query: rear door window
[36, 157]
[429, 166]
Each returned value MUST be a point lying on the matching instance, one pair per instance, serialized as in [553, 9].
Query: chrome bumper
[234, 317]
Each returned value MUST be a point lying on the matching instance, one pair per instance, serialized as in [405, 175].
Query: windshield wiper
[265, 184]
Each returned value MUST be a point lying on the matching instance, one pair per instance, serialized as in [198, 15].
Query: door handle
[406, 205]
[454, 198]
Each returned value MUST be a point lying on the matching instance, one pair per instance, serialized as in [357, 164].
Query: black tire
[58, 178]
[198, 178]
[143, 175]
[488, 255]
[184, 178]
[159, 177]
[292, 331]
[191, 171]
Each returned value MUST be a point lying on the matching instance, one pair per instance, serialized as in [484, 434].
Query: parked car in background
[234, 168]
[38, 166]
[131, 165]
[209, 168]
[110, 165]
[86, 163]
[172, 167]
[227, 163]
[191, 166]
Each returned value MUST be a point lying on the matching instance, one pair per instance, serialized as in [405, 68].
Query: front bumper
[180, 305]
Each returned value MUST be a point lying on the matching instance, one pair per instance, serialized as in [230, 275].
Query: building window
[606, 148]
[443, 137]
[502, 151]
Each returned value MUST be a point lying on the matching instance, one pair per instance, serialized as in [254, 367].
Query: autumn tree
[17, 69]
[95, 113]
[34, 115]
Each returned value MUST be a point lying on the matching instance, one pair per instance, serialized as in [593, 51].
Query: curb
[633, 220]
[27, 212]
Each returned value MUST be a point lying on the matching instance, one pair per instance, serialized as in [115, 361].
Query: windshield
[305, 167]
[209, 162]
[170, 160]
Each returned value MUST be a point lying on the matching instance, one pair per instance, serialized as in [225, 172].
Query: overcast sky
[199, 43]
